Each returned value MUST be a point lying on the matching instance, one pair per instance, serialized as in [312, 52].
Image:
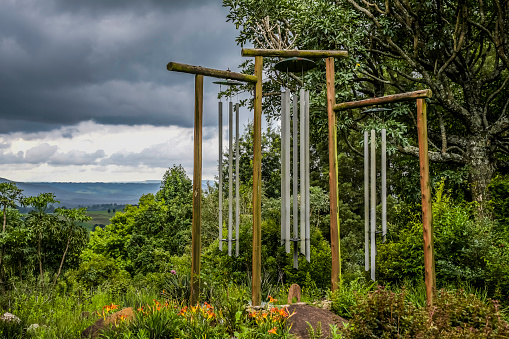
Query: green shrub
[466, 249]
[12, 329]
[97, 271]
[344, 298]
[455, 314]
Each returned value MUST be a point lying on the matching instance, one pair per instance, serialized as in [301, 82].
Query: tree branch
[433, 156]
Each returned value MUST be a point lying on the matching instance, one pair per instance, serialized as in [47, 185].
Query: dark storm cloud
[64, 61]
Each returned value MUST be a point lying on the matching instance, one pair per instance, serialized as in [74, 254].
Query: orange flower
[271, 300]
[110, 307]
[273, 330]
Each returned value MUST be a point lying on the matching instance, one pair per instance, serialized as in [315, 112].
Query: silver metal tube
[295, 180]
[308, 194]
[373, 203]
[237, 181]
[283, 168]
[230, 177]
[366, 201]
[220, 137]
[303, 195]
[287, 171]
[384, 184]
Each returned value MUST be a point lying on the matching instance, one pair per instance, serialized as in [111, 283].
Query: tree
[9, 195]
[459, 49]
[176, 192]
[40, 221]
[73, 230]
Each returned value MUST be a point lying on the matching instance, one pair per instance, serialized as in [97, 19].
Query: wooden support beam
[333, 179]
[257, 186]
[250, 52]
[425, 93]
[215, 73]
[197, 168]
[429, 259]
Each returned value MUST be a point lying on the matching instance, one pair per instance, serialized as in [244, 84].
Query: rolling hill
[74, 194]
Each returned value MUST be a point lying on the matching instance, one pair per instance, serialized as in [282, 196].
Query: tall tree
[10, 194]
[459, 49]
[71, 229]
[40, 221]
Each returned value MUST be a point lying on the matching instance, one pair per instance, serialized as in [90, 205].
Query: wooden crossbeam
[250, 52]
[215, 73]
[425, 93]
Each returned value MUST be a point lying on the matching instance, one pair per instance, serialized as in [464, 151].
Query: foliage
[346, 296]
[176, 193]
[467, 249]
[499, 190]
[142, 238]
[455, 314]
[94, 272]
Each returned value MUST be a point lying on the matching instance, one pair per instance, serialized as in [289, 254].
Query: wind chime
[370, 231]
[295, 65]
[230, 237]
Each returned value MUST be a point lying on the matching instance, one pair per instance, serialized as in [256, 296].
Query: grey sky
[68, 62]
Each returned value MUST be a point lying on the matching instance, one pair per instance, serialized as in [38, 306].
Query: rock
[34, 327]
[294, 292]
[94, 330]
[8, 317]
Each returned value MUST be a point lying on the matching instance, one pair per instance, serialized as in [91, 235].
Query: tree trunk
[2, 287]
[40, 259]
[481, 169]
[5, 217]
[62, 261]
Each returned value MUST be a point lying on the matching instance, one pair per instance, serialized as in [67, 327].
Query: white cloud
[95, 152]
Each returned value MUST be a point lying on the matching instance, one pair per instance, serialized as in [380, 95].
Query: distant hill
[74, 194]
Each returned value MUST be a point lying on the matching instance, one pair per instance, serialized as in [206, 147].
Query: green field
[98, 217]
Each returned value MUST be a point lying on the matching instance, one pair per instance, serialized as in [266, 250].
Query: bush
[455, 314]
[466, 249]
[98, 271]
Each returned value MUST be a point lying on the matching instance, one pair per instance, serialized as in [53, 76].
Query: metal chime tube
[307, 191]
[302, 172]
[220, 137]
[230, 177]
[283, 167]
[285, 172]
[384, 184]
[373, 203]
[295, 180]
[237, 181]
[366, 201]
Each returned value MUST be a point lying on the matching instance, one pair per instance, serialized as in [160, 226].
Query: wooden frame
[427, 215]
[200, 72]
[333, 172]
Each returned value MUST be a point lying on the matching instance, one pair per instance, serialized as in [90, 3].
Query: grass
[98, 218]
[60, 314]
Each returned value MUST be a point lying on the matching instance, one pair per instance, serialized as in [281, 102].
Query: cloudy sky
[85, 94]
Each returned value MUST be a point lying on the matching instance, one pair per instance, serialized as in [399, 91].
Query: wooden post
[333, 180]
[257, 186]
[197, 167]
[429, 260]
